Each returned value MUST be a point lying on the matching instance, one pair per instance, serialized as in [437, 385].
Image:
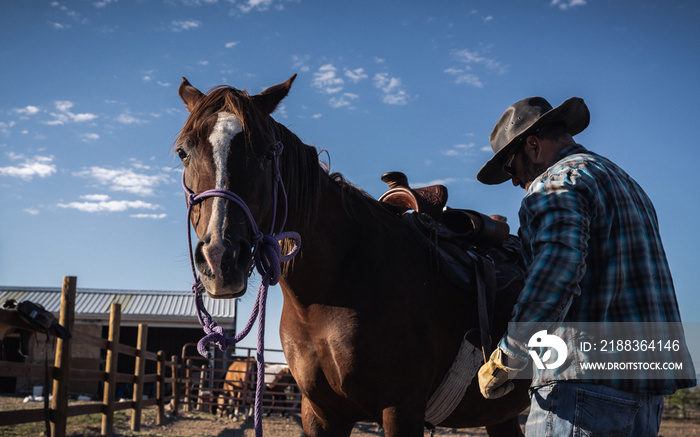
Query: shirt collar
[570, 150]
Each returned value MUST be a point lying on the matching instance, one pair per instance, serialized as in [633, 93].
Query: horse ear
[189, 94]
[271, 97]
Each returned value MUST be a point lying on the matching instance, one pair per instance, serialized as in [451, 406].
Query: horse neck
[344, 224]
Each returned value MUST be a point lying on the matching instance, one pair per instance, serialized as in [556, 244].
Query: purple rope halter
[267, 256]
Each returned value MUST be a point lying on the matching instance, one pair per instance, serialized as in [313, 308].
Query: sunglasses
[508, 166]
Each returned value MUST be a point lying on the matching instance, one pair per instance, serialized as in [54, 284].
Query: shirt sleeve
[555, 221]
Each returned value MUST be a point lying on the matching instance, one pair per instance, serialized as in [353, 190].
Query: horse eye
[270, 155]
[182, 154]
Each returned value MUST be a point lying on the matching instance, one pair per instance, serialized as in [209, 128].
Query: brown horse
[238, 387]
[368, 327]
[279, 382]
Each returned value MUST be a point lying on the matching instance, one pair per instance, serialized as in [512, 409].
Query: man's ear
[533, 148]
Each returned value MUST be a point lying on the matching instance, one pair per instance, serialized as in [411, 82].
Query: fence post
[140, 370]
[200, 387]
[188, 385]
[59, 404]
[160, 389]
[175, 372]
[110, 385]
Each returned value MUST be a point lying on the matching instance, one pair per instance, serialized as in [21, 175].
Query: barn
[170, 316]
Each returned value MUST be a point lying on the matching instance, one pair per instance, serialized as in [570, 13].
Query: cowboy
[590, 241]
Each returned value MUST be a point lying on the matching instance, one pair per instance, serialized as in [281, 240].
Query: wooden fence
[62, 371]
[203, 383]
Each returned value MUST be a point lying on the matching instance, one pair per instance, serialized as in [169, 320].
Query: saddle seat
[473, 250]
[462, 225]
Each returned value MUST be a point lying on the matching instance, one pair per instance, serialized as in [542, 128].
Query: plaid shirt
[591, 242]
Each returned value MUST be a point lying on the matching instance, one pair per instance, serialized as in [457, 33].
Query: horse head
[228, 145]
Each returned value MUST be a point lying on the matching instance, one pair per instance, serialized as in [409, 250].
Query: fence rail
[62, 372]
[203, 383]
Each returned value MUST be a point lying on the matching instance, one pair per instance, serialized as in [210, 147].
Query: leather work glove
[495, 376]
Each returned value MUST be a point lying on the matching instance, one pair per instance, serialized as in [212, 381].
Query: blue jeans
[571, 408]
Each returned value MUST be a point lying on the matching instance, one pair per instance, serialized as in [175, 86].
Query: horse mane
[302, 173]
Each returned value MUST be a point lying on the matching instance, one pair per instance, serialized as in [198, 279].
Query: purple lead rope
[267, 257]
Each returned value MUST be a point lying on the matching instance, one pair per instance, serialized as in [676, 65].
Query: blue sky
[89, 111]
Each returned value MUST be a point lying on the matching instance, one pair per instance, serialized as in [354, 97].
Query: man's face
[523, 170]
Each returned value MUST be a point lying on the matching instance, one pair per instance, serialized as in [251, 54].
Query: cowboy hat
[523, 118]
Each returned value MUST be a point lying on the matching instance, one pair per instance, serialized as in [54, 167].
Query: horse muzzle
[224, 267]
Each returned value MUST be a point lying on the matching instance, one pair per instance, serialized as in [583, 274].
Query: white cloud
[59, 26]
[5, 127]
[126, 179]
[444, 181]
[127, 118]
[40, 166]
[31, 211]
[393, 92]
[344, 100]
[182, 25]
[326, 80]
[473, 57]
[149, 216]
[95, 197]
[259, 5]
[460, 150]
[356, 75]
[472, 60]
[300, 62]
[106, 205]
[89, 136]
[464, 76]
[64, 114]
[232, 44]
[566, 4]
[27, 110]
[103, 3]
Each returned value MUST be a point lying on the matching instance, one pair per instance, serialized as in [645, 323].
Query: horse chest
[322, 356]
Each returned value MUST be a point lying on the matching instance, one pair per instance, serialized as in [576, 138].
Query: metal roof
[152, 307]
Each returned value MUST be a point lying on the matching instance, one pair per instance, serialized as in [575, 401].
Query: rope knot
[268, 259]
[192, 199]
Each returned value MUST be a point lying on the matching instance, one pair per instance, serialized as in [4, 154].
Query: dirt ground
[200, 424]
[203, 424]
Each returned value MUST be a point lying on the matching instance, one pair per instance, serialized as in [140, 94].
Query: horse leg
[236, 400]
[396, 423]
[222, 401]
[317, 424]
[508, 428]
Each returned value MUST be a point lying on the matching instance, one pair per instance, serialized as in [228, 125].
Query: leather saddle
[463, 225]
[474, 250]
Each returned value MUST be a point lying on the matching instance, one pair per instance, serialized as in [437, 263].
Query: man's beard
[530, 171]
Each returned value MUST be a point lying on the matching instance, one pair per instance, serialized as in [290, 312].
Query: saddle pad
[453, 386]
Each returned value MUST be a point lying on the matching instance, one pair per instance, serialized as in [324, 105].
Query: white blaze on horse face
[227, 126]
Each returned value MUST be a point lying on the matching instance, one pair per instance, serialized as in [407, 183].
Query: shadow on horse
[369, 327]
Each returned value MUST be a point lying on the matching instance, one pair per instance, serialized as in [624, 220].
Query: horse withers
[369, 327]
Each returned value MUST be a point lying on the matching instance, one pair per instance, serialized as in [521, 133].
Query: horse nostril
[200, 260]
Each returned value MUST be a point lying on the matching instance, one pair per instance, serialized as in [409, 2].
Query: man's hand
[494, 376]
